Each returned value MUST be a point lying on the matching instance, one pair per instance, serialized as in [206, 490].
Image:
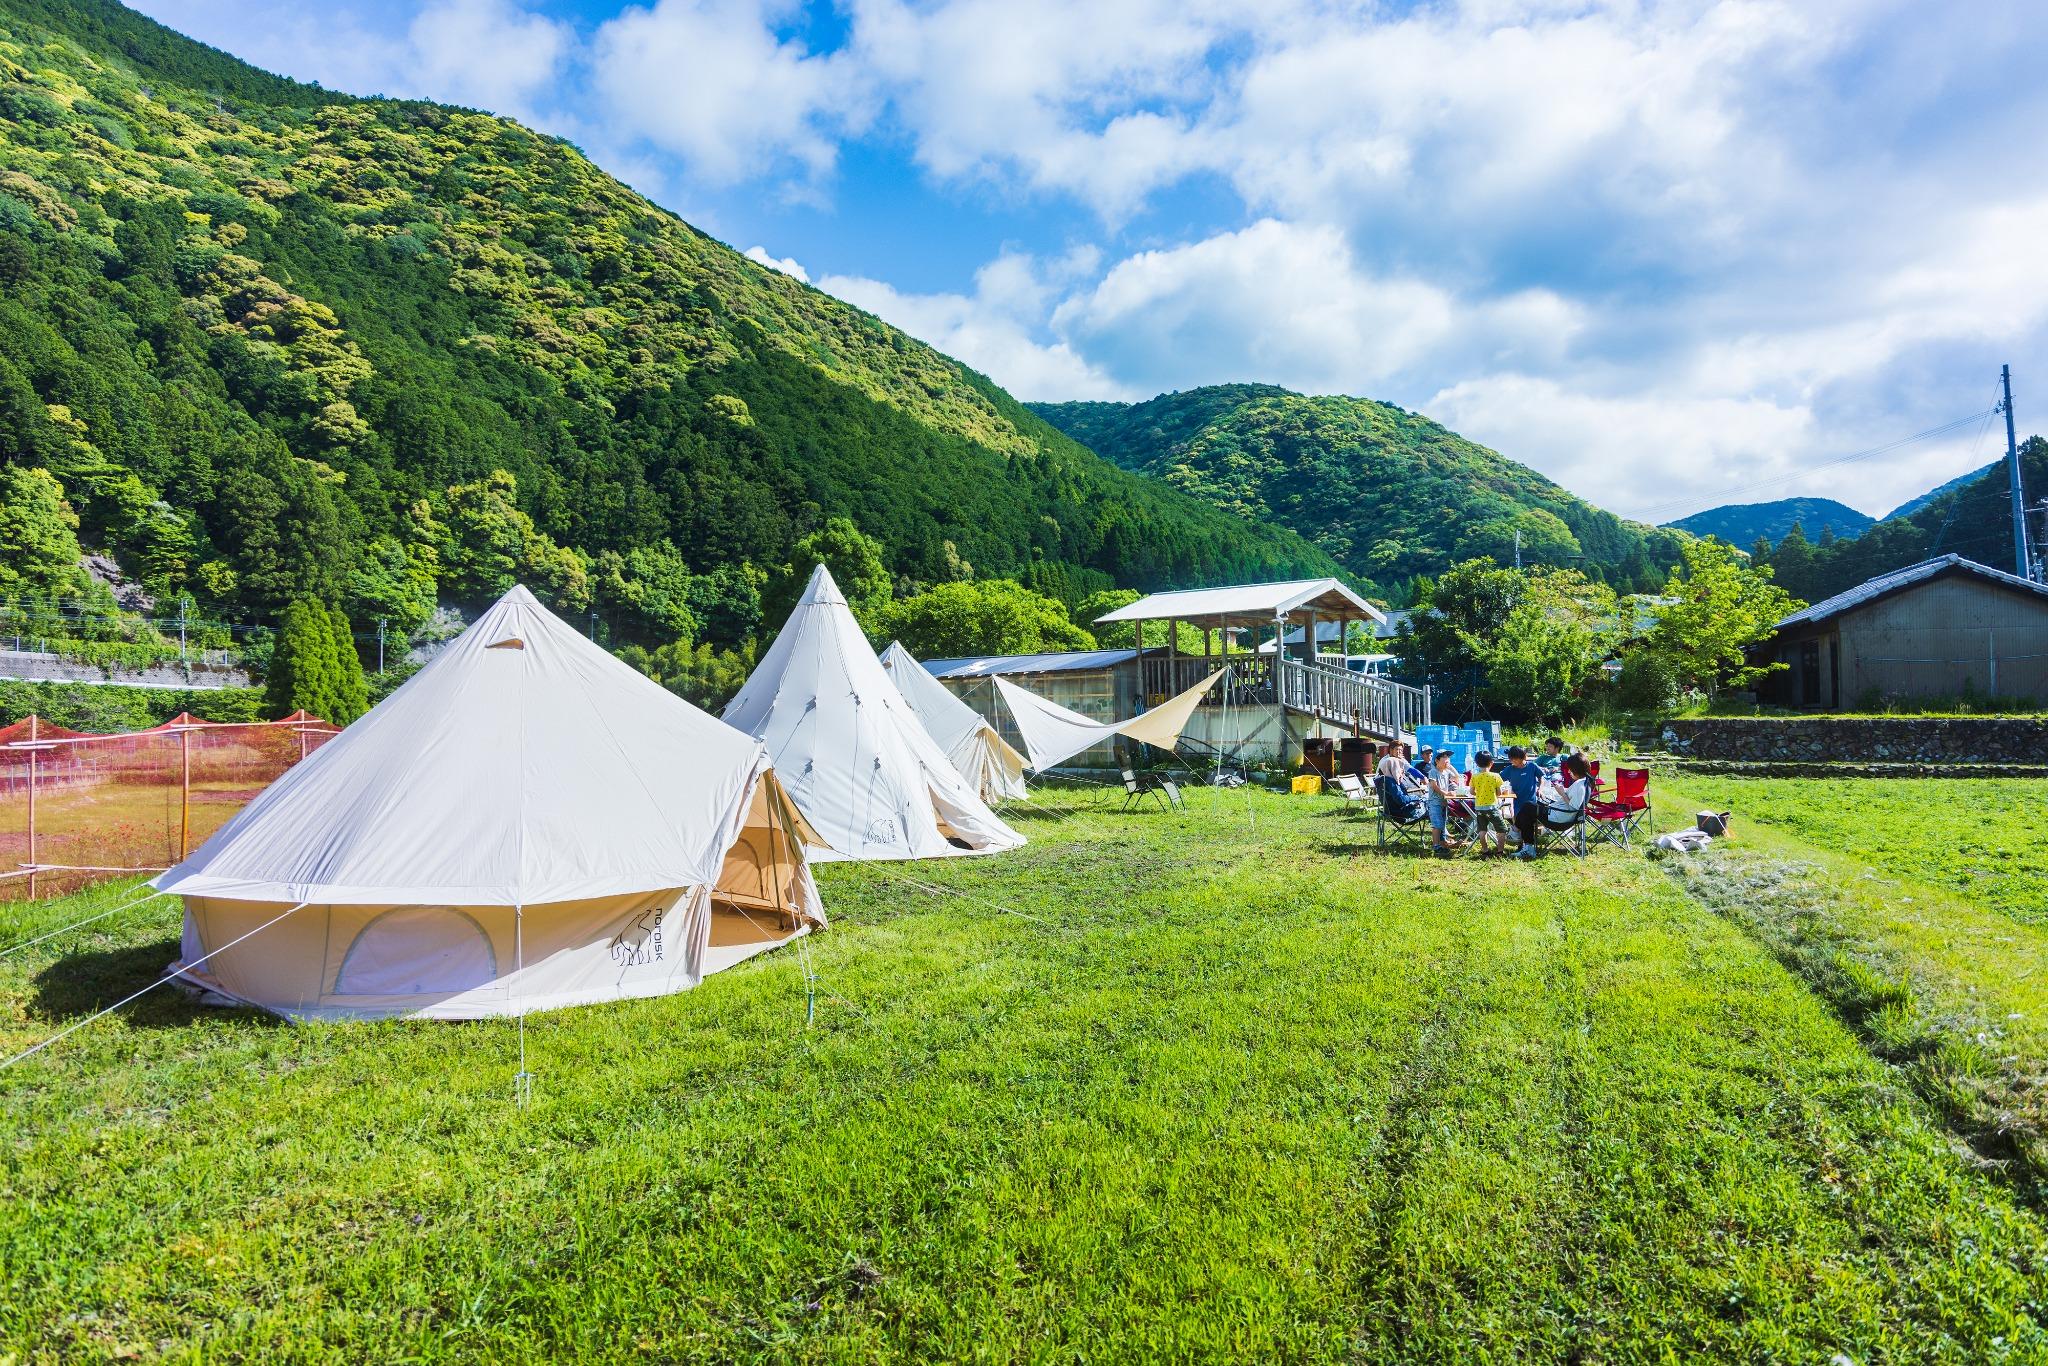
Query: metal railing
[1338, 696]
[1341, 697]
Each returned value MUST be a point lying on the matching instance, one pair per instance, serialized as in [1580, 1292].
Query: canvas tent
[855, 760]
[526, 823]
[1053, 734]
[982, 757]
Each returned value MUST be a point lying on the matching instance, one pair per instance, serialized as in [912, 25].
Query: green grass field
[1228, 1084]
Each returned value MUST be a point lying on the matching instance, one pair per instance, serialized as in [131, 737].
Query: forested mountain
[1971, 517]
[1913, 505]
[1387, 493]
[277, 343]
[1742, 523]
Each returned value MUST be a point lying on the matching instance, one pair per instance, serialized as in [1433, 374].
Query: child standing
[1445, 786]
[1486, 819]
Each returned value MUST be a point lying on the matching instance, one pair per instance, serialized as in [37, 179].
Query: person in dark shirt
[1523, 778]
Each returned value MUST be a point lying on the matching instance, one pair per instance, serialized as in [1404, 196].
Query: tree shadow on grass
[81, 983]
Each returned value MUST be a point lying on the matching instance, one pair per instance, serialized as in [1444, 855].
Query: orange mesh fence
[76, 808]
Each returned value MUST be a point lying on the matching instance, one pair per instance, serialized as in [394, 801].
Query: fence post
[33, 756]
[184, 793]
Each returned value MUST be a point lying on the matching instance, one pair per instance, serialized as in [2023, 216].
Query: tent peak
[821, 589]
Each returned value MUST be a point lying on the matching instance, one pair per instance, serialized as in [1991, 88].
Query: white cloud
[1630, 453]
[486, 53]
[712, 82]
[787, 265]
[992, 329]
[1292, 304]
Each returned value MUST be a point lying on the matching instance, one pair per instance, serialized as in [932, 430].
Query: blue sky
[1670, 254]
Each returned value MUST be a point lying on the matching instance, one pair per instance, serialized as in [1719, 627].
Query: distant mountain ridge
[1740, 524]
[1970, 516]
[1911, 506]
[1387, 493]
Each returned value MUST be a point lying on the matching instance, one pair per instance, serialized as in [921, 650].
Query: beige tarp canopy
[1052, 734]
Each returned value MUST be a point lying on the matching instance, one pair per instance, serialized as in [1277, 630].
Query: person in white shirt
[1446, 784]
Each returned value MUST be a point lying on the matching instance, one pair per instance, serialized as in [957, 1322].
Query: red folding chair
[1617, 819]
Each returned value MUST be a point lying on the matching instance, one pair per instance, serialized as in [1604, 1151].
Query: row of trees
[1538, 644]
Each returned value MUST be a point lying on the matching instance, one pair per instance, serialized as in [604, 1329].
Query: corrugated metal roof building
[1941, 628]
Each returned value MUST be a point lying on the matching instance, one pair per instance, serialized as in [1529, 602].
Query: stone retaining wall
[1877, 739]
[35, 666]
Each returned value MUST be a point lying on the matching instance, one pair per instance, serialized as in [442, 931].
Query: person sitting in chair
[1566, 809]
[1523, 779]
[1552, 757]
[1399, 792]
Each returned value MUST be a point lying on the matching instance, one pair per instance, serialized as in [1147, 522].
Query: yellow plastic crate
[1308, 783]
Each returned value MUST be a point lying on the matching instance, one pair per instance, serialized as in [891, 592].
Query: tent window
[418, 951]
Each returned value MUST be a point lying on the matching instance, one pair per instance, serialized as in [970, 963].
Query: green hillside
[1742, 523]
[1387, 493]
[277, 342]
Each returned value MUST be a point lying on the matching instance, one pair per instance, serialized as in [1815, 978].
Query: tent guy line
[80, 924]
[71, 1029]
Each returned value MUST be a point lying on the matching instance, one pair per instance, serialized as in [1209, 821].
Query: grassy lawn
[1228, 1084]
[1985, 838]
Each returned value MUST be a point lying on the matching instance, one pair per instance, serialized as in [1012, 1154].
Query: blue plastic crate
[1435, 737]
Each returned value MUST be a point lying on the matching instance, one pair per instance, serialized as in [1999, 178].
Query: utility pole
[593, 628]
[380, 644]
[1518, 552]
[2019, 497]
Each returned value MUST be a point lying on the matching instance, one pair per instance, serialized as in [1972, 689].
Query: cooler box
[1307, 784]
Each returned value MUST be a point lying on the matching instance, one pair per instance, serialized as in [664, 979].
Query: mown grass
[1985, 838]
[1222, 1085]
[1943, 974]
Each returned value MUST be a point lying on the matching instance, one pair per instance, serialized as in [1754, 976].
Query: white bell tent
[850, 750]
[1053, 734]
[980, 755]
[527, 823]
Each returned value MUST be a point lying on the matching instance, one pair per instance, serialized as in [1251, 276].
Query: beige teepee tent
[526, 823]
[982, 757]
[857, 763]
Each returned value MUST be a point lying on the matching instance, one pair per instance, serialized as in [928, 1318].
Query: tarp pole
[522, 1084]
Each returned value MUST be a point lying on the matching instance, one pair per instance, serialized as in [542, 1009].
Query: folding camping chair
[1399, 820]
[1351, 788]
[1571, 835]
[1617, 820]
[1138, 787]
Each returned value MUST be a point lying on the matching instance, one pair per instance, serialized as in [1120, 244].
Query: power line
[1704, 499]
